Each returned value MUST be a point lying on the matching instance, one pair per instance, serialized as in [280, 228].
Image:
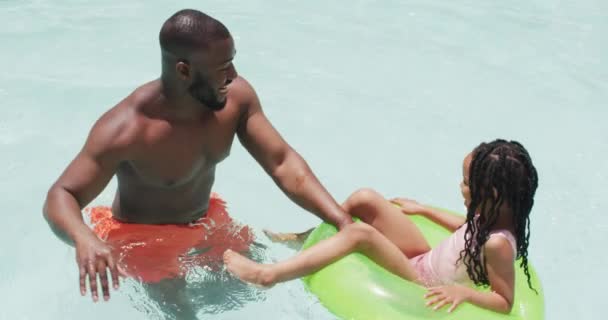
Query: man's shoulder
[114, 131]
[244, 96]
[144, 95]
[242, 90]
[121, 127]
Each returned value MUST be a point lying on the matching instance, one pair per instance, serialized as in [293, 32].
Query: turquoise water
[383, 94]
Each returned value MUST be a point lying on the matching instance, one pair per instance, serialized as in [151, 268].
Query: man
[164, 141]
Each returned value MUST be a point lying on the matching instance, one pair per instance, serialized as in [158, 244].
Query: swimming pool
[385, 94]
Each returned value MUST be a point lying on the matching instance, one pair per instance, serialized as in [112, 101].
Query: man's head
[197, 53]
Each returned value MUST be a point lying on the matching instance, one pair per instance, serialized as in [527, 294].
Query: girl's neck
[504, 221]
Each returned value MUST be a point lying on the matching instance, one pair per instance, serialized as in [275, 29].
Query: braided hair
[501, 176]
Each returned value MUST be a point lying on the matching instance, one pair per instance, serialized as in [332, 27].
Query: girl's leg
[355, 237]
[371, 207]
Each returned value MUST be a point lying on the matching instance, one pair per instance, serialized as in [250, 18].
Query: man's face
[212, 72]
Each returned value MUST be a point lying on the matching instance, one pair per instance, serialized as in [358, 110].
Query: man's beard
[201, 90]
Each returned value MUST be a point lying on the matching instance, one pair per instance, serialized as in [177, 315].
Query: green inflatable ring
[357, 288]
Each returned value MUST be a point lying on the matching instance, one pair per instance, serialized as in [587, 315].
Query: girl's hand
[408, 206]
[440, 296]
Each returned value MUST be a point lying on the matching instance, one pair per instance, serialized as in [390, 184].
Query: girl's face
[464, 185]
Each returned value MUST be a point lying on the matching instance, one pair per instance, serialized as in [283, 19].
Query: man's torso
[169, 169]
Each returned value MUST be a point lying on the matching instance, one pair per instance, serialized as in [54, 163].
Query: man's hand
[94, 257]
[344, 222]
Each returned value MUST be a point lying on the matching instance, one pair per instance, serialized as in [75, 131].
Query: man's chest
[180, 155]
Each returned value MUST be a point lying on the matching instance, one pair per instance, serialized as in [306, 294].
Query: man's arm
[81, 182]
[286, 167]
[84, 178]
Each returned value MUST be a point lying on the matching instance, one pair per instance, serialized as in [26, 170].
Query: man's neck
[179, 105]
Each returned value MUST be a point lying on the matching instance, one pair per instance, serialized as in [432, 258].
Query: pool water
[382, 94]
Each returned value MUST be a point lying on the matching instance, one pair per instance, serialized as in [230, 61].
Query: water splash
[206, 289]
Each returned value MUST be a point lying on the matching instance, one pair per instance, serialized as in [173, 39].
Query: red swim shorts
[152, 253]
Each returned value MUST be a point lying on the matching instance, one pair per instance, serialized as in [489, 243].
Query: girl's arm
[500, 259]
[447, 220]
[501, 274]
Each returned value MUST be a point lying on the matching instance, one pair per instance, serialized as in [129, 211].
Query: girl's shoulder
[501, 245]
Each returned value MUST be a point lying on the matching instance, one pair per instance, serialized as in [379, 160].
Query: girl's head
[498, 179]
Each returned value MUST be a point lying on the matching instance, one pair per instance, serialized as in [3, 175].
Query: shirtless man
[164, 141]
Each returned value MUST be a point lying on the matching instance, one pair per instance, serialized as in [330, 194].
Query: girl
[498, 186]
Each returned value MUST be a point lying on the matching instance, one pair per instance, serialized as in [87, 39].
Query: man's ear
[183, 69]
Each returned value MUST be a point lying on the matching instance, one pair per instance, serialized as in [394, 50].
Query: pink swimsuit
[438, 266]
